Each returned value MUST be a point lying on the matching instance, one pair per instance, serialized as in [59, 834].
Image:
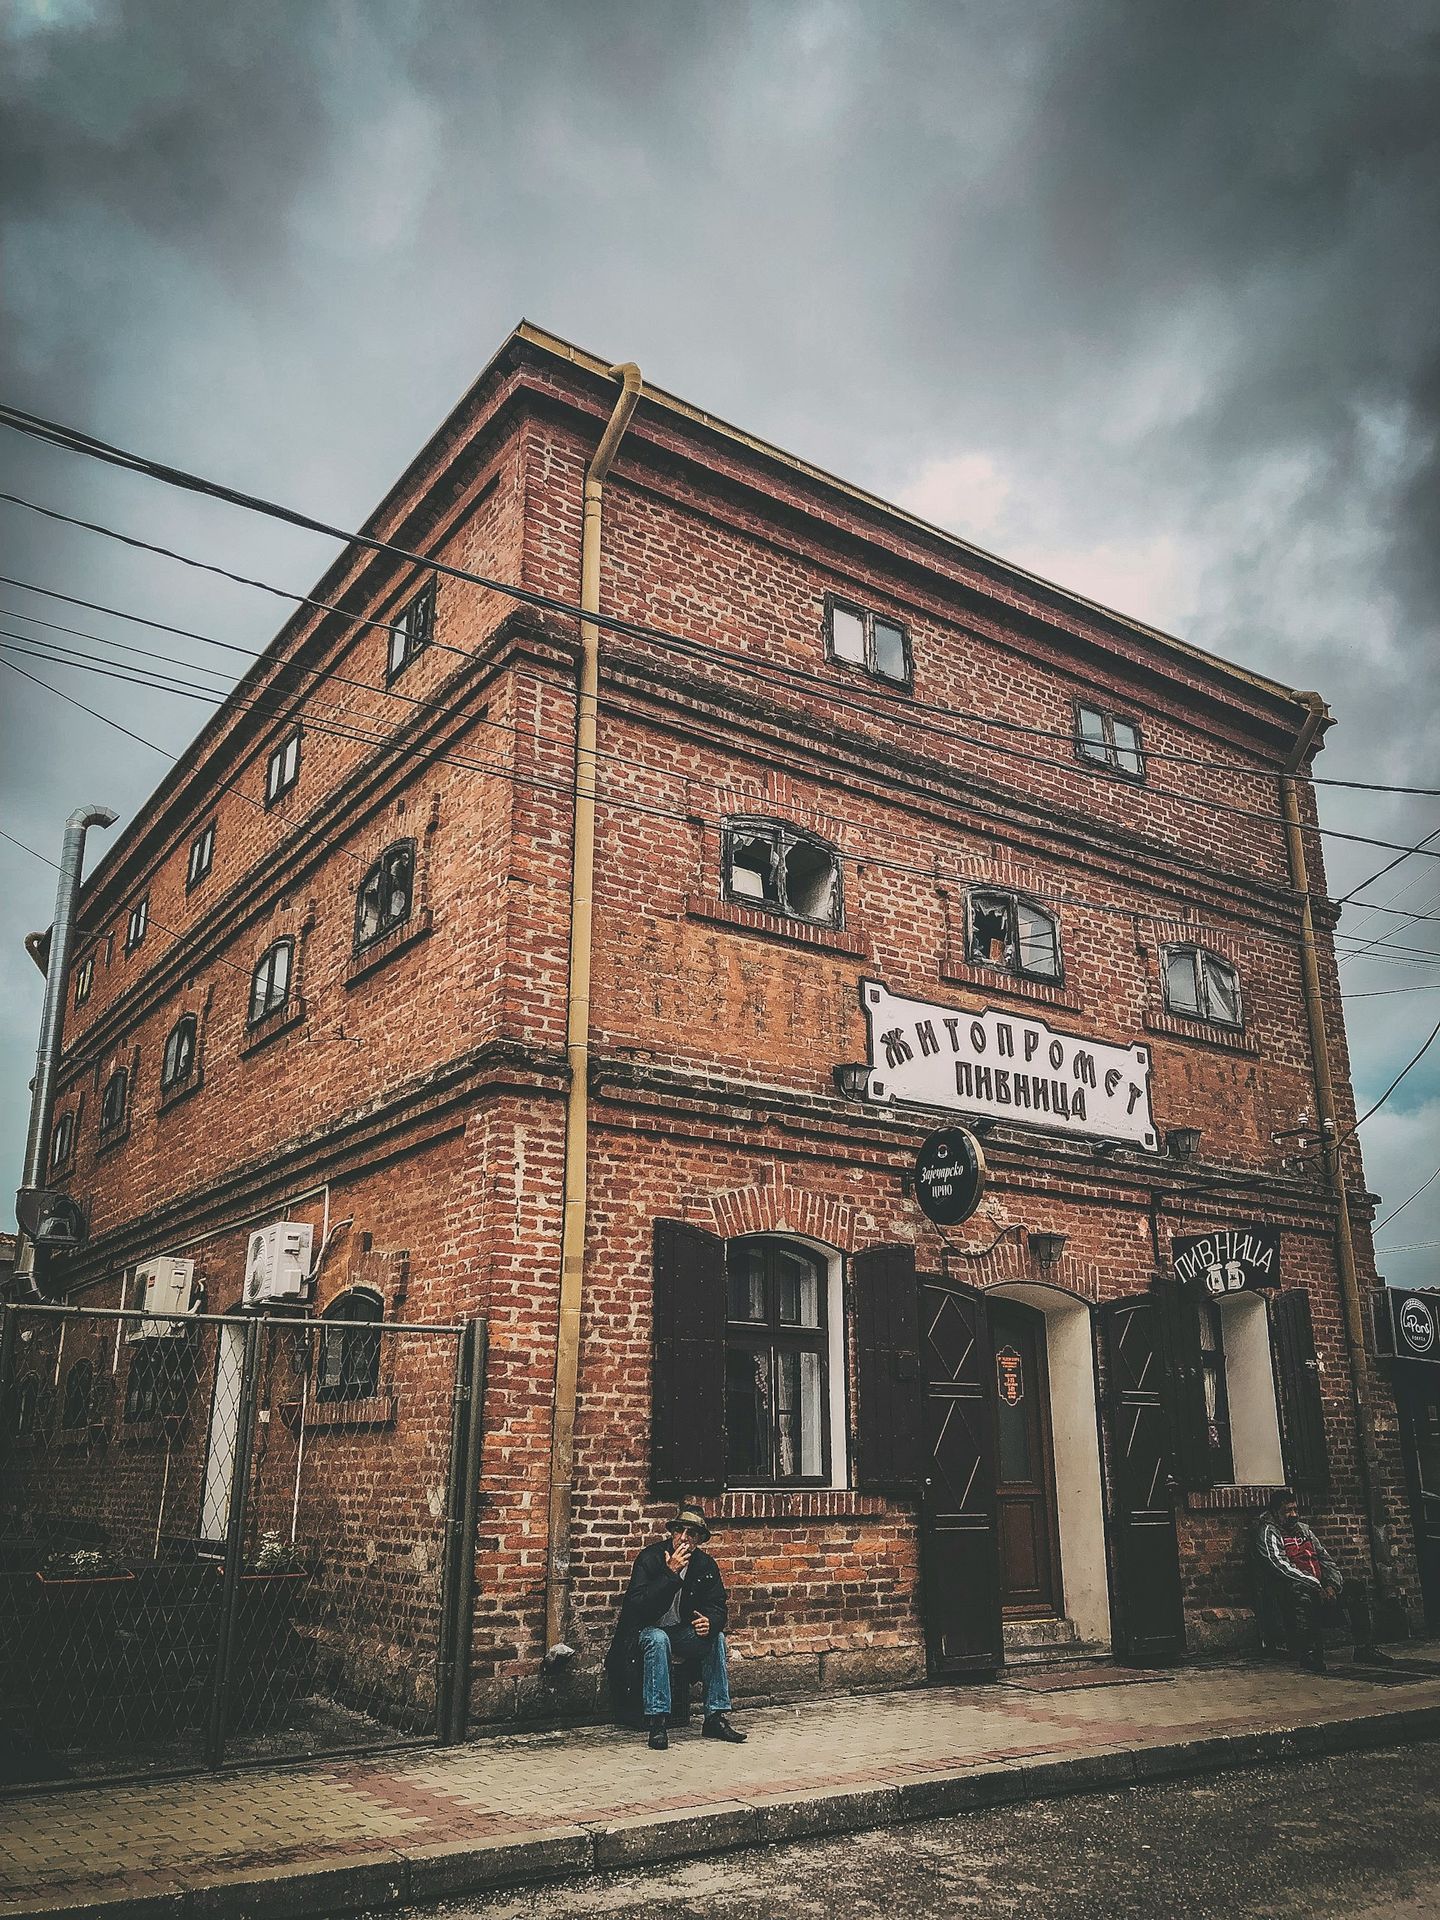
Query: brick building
[889, 835]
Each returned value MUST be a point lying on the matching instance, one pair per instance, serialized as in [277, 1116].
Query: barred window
[350, 1346]
[270, 982]
[179, 1059]
[386, 894]
[1202, 986]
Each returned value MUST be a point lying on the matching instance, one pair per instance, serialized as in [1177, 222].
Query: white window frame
[282, 770]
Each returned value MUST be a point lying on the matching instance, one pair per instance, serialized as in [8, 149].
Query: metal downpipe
[1381, 1555]
[52, 1018]
[577, 1037]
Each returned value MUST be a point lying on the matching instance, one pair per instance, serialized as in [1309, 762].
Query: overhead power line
[769, 673]
[73, 440]
[1401, 1208]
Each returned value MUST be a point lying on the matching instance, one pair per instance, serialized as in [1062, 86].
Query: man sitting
[674, 1606]
[1300, 1578]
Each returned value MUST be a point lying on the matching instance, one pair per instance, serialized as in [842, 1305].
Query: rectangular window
[137, 923]
[1108, 741]
[202, 856]
[84, 979]
[775, 1366]
[1201, 986]
[283, 768]
[869, 640]
[411, 633]
[770, 865]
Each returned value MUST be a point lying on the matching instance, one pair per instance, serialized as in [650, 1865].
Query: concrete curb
[382, 1879]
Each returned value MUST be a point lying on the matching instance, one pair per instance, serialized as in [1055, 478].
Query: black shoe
[659, 1738]
[717, 1727]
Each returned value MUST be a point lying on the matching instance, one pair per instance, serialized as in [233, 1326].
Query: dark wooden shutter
[1149, 1623]
[887, 1370]
[1297, 1377]
[1191, 1455]
[687, 1386]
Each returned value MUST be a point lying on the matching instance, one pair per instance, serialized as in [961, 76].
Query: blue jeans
[655, 1647]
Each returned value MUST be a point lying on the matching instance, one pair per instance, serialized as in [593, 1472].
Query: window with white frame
[777, 1354]
[859, 638]
[1106, 740]
[1238, 1378]
[768, 864]
[282, 769]
[138, 923]
[1201, 986]
[1012, 934]
[270, 982]
[411, 632]
[202, 856]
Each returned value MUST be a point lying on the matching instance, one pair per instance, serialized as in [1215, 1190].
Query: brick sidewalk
[415, 1826]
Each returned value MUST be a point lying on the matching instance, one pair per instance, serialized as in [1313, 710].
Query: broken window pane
[990, 937]
[810, 880]
[754, 867]
[847, 635]
[383, 901]
[890, 650]
[1182, 994]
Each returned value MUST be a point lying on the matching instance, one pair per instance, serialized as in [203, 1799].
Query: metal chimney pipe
[52, 1019]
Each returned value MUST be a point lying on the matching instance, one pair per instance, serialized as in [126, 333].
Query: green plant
[81, 1563]
[277, 1555]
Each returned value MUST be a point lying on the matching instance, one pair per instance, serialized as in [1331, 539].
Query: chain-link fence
[230, 1537]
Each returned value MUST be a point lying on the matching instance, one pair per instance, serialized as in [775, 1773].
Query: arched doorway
[1059, 1509]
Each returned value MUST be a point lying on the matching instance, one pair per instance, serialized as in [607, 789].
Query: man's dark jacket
[652, 1587]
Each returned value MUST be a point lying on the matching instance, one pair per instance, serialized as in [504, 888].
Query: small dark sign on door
[1010, 1376]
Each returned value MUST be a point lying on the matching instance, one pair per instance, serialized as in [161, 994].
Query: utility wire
[767, 672]
[1401, 1208]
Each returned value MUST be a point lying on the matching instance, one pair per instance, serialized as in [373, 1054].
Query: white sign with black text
[1008, 1065]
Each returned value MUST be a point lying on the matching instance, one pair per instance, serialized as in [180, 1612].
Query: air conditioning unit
[168, 1288]
[277, 1263]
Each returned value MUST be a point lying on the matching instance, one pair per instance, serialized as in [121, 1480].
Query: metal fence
[227, 1538]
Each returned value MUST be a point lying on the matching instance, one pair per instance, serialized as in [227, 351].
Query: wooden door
[1149, 1613]
[960, 1570]
[1028, 1539]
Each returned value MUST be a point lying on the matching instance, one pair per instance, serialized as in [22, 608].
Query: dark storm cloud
[1141, 295]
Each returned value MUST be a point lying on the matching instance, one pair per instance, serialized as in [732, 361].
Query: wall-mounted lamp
[1046, 1248]
[1183, 1143]
[852, 1079]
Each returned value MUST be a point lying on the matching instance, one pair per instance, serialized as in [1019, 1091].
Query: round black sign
[949, 1176]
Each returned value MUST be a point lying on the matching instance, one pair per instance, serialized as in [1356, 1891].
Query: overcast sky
[1141, 294]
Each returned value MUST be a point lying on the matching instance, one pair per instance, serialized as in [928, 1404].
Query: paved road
[1357, 1836]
